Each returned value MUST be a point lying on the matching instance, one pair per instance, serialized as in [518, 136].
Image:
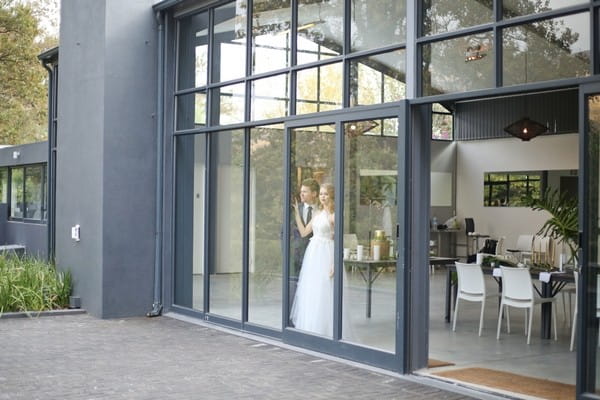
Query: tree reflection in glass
[378, 79]
[319, 89]
[516, 8]
[549, 49]
[320, 29]
[377, 24]
[271, 36]
[450, 15]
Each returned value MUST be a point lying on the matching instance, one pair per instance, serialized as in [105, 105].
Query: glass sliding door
[311, 263]
[226, 212]
[370, 214]
[189, 221]
[265, 255]
[588, 305]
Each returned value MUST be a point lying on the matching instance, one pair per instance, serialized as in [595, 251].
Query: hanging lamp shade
[526, 129]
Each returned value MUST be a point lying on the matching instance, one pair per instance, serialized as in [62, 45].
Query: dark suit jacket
[298, 244]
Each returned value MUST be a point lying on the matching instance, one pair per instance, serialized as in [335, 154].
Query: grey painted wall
[34, 236]
[106, 153]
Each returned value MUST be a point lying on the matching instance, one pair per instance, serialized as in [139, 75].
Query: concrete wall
[106, 153]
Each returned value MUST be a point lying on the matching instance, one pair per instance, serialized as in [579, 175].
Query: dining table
[371, 269]
[546, 284]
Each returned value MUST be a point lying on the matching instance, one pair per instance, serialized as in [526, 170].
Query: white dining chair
[523, 248]
[471, 287]
[517, 291]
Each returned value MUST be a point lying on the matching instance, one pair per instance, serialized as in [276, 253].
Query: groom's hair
[311, 184]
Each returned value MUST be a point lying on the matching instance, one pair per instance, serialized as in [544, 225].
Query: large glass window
[227, 208]
[450, 15]
[544, 50]
[442, 123]
[193, 51]
[516, 8]
[189, 221]
[191, 111]
[265, 264]
[378, 79]
[377, 23]
[370, 209]
[229, 101]
[270, 97]
[312, 233]
[229, 42]
[320, 29]
[510, 189]
[319, 89]
[458, 65]
[3, 185]
[16, 192]
[271, 36]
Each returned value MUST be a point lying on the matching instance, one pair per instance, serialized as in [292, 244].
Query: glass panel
[592, 268]
[370, 208]
[33, 192]
[271, 44]
[227, 208]
[550, 49]
[378, 79]
[377, 23]
[189, 221]
[270, 97]
[319, 89]
[515, 8]
[193, 51]
[311, 244]
[442, 126]
[229, 42]
[3, 185]
[458, 65]
[266, 224]
[230, 107]
[320, 29]
[16, 192]
[191, 111]
[450, 15]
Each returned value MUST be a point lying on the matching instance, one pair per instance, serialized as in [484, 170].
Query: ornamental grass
[29, 284]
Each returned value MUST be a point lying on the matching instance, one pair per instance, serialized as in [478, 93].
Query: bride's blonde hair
[331, 192]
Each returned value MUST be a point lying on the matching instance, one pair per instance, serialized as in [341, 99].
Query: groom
[309, 193]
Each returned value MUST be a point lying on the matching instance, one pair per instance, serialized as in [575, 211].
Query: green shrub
[29, 284]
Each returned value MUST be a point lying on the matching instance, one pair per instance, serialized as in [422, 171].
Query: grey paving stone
[81, 357]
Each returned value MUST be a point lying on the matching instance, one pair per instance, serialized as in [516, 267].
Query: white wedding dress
[312, 309]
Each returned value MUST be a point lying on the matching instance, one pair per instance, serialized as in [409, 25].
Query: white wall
[476, 157]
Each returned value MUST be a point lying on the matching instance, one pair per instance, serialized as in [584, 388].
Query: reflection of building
[183, 139]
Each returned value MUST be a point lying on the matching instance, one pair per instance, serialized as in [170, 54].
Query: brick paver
[81, 357]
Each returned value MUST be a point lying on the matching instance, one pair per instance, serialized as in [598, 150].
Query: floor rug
[542, 388]
[433, 363]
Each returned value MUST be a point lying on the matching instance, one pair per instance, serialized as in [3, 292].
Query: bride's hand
[331, 272]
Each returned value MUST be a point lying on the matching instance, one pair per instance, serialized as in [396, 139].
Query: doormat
[433, 363]
[542, 388]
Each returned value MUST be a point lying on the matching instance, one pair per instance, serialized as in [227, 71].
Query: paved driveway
[81, 357]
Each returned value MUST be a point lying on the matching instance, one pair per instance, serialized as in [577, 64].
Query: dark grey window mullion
[338, 260]
[24, 195]
[249, 38]
[209, 92]
[594, 42]
[286, 228]
[347, 27]
[294, 61]
[208, 222]
[246, 227]
[499, 56]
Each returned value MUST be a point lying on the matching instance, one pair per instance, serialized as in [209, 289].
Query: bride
[312, 309]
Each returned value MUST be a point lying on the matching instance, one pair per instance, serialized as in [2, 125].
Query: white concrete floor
[543, 358]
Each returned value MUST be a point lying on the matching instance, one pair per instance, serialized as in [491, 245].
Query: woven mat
[512, 382]
[433, 363]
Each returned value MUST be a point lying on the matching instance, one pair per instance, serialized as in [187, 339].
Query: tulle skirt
[312, 309]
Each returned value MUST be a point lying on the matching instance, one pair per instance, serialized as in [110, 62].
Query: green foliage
[29, 284]
[563, 224]
[23, 93]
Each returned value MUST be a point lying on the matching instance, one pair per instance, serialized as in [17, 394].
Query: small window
[27, 192]
[442, 123]
[511, 189]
